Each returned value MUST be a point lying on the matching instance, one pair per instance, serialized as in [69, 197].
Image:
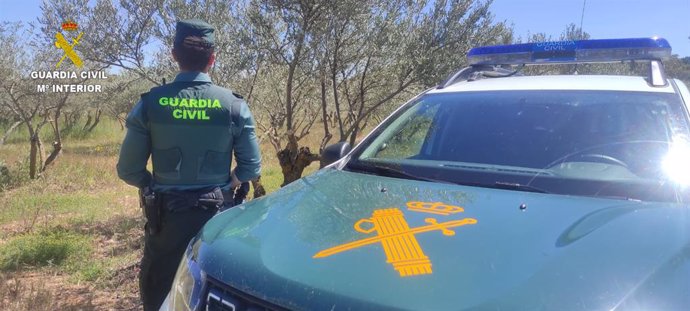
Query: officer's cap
[201, 33]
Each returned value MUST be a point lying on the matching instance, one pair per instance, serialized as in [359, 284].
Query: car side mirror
[334, 152]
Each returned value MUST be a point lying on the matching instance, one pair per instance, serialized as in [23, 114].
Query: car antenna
[581, 34]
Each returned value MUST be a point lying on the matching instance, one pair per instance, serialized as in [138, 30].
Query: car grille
[220, 297]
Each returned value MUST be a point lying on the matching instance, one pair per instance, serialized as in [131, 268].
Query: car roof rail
[657, 74]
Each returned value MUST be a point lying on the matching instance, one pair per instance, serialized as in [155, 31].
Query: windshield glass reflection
[597, 143]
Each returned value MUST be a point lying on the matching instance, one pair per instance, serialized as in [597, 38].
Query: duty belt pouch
[211, 200]
[206, 200]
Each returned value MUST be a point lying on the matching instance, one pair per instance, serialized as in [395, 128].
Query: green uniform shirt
[187, 128]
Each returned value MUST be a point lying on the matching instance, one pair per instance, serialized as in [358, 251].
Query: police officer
[190, 128]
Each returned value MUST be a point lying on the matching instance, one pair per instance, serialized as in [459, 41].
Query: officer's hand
[234, 183]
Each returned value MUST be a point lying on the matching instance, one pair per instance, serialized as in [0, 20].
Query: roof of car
[557, 82]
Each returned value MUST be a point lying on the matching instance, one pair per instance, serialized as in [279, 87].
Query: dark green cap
[202, 33]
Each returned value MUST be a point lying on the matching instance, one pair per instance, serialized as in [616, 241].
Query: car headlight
[189, 279]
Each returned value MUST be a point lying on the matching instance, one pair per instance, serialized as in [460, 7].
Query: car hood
[340, 240]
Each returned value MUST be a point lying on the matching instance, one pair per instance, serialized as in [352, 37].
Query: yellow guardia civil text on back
[190, 108]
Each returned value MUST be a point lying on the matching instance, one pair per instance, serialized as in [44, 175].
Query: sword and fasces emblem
[68, 48]
[397, 238]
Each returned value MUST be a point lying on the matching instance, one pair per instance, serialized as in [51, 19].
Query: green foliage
[45, 248]
[25, 204]
[272, 176]
[55, 247]
[407, 142]
[90, 270]
[108, 129]
[4, 174]
[678, 68]
[21, 134]
[13, 176]
[675, 67]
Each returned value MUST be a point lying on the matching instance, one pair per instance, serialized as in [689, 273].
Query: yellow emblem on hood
[398, 239]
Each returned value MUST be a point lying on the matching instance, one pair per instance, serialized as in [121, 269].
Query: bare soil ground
[34, 290]
[117, 242]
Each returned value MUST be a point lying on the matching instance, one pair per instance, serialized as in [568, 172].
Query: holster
[151, 206]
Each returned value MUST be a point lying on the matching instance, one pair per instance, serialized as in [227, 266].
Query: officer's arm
[246, 147]
[135, 150]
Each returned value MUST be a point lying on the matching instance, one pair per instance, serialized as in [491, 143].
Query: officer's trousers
[163, 252]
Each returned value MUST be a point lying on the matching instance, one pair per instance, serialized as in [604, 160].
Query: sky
[603, 19]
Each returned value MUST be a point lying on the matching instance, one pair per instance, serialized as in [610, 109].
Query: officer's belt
[179, 201]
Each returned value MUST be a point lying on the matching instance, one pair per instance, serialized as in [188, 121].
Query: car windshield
[628, 145]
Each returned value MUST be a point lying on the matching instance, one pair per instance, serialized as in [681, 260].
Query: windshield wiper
[616, 197]
[389, 171]
[516, 186]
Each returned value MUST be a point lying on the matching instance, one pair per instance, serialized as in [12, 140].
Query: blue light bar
[578, 51]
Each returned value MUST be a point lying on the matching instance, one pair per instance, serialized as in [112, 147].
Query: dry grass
[80, 197]
[18, 295]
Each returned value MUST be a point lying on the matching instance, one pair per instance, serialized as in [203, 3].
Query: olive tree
[381, 51]
[20, 96]
[282, 33]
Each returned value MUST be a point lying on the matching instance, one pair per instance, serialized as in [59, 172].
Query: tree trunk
[33, 154]
[336, 102]
[57, 149]
[71, 119]
[353, 136]
[121, 121]
[9, 132]
[294, 159]
[41, 153]
[259, 190]
[57, 144]
[96, 120]
[88, 122]
[324, 116]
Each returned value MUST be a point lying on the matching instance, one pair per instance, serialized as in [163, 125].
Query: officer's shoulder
[228, 92]
[153, 90]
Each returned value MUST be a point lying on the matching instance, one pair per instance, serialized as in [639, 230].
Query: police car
[492, 191]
